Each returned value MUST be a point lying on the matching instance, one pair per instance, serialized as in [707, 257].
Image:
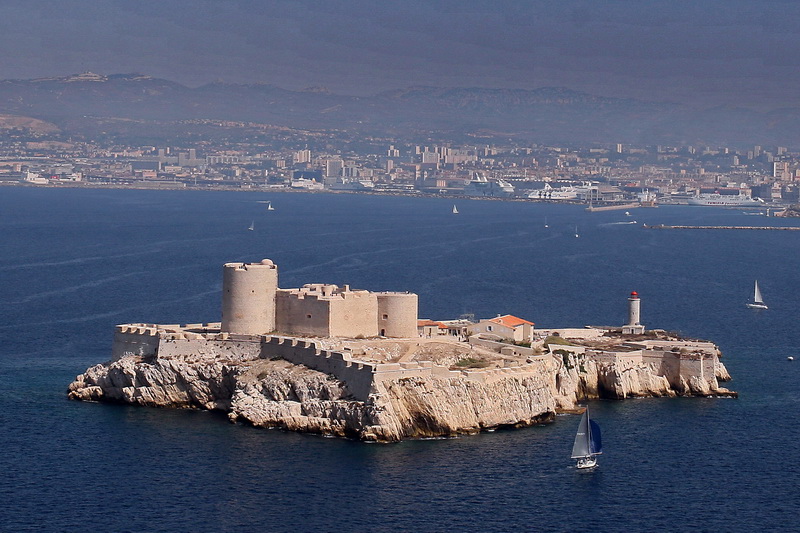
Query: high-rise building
[333, 168]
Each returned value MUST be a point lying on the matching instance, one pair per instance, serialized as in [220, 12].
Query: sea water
[73, 263]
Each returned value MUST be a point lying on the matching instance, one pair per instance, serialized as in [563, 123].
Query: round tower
[397, 314]
[634, 309]
[248, 297]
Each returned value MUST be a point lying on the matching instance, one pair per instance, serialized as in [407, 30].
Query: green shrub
[471, 362]
[555, 339]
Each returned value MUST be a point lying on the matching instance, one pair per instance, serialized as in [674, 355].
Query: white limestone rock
[276, 393]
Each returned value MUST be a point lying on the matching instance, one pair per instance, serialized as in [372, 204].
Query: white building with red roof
[507, 327]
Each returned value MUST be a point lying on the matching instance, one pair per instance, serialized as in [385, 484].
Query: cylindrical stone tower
[634, 309]
[397, 314]
[248, 297]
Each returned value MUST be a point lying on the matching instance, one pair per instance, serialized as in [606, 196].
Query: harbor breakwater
[274, 381]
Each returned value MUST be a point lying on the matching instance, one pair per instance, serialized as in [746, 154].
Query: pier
[613, 207]
[664, 226]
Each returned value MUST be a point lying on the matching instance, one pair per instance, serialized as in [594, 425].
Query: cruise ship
[480, 186]
[725, 200]
[554, 193]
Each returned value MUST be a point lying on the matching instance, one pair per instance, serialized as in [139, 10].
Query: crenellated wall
[688, 367]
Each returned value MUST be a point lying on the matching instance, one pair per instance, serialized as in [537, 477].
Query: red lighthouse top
[634, 294]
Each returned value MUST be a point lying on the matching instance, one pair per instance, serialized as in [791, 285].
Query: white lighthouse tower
[633, 327]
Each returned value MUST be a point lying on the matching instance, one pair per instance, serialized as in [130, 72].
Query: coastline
[334, 387]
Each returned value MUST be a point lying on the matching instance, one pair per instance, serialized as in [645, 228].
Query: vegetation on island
[555, 339]
[471, 362]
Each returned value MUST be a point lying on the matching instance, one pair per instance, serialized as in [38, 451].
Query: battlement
[264, 263]
[322, 291]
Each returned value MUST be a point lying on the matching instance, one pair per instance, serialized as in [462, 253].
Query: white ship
[725, 200]
[554, 193]
[481, 186]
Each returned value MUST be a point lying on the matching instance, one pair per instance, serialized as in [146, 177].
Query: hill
[90, 104]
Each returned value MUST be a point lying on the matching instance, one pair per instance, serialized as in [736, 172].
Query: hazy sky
[702, 51]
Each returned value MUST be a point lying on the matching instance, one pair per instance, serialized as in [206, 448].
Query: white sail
[455, 210]
[580, 448]
[757, 295]
[758, 301]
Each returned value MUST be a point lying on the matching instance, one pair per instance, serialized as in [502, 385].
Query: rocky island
[360, 364]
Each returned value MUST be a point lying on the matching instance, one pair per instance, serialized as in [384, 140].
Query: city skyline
[706, 53]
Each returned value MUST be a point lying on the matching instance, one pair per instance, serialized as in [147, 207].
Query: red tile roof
[426, 322]
[510, 321]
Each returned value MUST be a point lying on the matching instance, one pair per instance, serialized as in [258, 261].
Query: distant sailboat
[269, 207]
[576, 232]
[455, 209]
[588, 444]
[627, 213]
[252, 226]
[546, 225]
[758, 301]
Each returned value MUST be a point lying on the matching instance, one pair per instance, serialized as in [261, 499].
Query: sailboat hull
[757, 306]
[588, 462]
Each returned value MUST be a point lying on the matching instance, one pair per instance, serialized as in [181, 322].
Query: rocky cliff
[276, 393]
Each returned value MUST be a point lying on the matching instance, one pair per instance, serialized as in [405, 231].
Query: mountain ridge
[543, 114]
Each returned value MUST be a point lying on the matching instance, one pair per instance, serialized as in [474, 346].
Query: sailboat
[546, 225]
[576, 231]
[455, 209]
[758, 301]
[269, 207]
[252, 226]
[588, 444]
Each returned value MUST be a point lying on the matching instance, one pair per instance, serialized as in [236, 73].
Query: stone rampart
[361, 377]
[511, 350]
[141, 342]
[358, 375]
[198, 349]
[172, 340]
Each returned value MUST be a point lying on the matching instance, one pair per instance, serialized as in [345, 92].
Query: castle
[252, 304]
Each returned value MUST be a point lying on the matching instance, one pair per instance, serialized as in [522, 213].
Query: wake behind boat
[588, 444]
[758, 300]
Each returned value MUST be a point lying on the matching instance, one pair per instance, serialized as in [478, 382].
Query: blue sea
[73, 263]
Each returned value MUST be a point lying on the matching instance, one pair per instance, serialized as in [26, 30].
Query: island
[361, 364]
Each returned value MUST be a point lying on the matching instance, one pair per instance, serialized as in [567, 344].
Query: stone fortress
[252, 304]
[356, 363]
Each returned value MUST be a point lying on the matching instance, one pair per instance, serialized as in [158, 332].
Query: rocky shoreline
[267, 390]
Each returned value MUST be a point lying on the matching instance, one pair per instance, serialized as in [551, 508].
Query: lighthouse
[633, 327]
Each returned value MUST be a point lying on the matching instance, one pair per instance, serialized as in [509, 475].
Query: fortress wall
[693, 367]
[601, 357]
[356, 314]
[133, 341]
[668, 364]
[358, 375]
[361, 377]
[248, 297]
[306, 315]
[397, 314]
[502, 347]
[210, 349]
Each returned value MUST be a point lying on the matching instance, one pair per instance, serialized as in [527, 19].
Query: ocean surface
[73, 263]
